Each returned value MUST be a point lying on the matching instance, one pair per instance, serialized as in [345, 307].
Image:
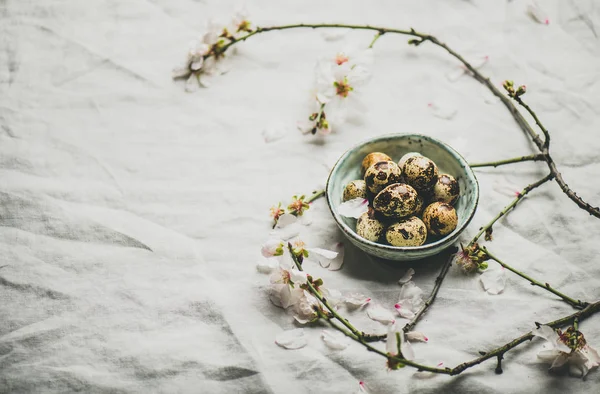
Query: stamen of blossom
[276, 212]
[341, 58]
[342, 88]
[298, 206]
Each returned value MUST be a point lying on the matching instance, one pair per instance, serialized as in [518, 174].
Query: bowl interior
[447, 159]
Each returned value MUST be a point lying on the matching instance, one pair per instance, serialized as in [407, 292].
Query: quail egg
[407, 232]
[355, 189]
[373, 158]
[397, 200]
[406, 157]
[440, 218]
[420, 172]
[381, 174]
[368, 227]
[446, 189]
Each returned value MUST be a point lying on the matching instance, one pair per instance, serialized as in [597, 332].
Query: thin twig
[571, 301]
[316, 194]
[536, 157]
[510, 206]
[438, 283]
[580, 315]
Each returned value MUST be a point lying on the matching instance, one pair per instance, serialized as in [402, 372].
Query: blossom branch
[586, 312]
[535, 157]
[316, 195]
[219, 50]
[574, 303]
[520, 196]
[323, 300]
[438, 283]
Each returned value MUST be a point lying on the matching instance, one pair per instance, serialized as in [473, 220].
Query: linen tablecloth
[132, 213]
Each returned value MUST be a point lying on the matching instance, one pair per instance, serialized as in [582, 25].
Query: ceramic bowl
[448, 161]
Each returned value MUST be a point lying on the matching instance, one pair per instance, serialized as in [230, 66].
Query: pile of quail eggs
[408, 201]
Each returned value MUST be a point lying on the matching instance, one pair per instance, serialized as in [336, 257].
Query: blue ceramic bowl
[448, 161]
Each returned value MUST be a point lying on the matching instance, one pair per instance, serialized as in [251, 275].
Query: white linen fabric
[132, 212]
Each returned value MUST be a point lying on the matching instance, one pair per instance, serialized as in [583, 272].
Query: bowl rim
[449, 239]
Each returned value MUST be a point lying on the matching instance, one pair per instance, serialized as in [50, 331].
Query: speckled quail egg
[407, 232]
[440, 218]
[419, 205]
[381, 174]
[420, 172]
[368, 227]
[397, 200]
[446, 189]
[373, 158]
[406, 157]
[355, 189]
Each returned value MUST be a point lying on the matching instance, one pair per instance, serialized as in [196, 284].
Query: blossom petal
[362, 388]
[405, 309]
[592, 356]
[191, 84]
[493, 280]
[336, 263]
[180, 72]
[328, 254]
[551, 336]
[266, 266]
[335, 340]
[548, 355]
[410, 290]
[354, 208]
[333, 296]
[291, 339]
[285, 220]
[357, 300]
[407, 349]
[537, 13]
[289, 297]
[298, 277]
[407, 276]
[269, 248]
[288, 232]
[378, 313]
[391, 342]
[416, 336]
[560, 360]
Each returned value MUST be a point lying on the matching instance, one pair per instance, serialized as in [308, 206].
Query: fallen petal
[354, 208]
[285, 220]
[493, 280]
[337, 263]
[191, 85]
[266, 266]
[357, 300]
[291, 339]
[416, 336]
[407, 276]
[335, 340]
[378, 313]
[410, 290]
[362, 388]
[328, 254]
[537, 13]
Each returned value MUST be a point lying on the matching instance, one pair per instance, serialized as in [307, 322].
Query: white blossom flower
[240, 21]
[567, 350]
[306, 308]
[407, 276]
[338, 88]
[272, 247]
[410, 300]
